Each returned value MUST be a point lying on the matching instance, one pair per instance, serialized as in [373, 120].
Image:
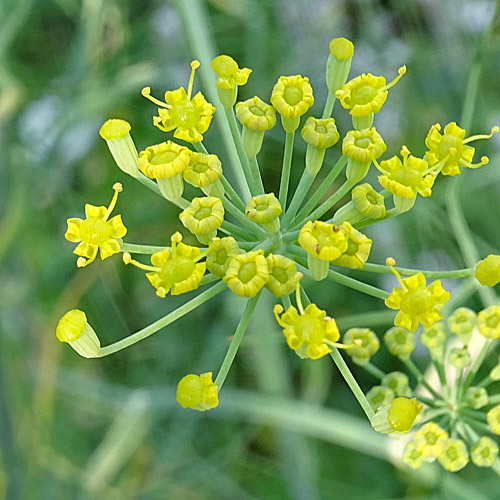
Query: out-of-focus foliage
[106, 429]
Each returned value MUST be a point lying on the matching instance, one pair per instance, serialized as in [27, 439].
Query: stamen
[379, 168]
[298, 299]
[484, 161]
[494, 130]
[82, 261]
[355, 343]
[146, 92]
[436, 169]
[118, 189]
[401, 72]
[157, 123]
[390, 262]
[127, 259]
[404, 152]
[202, 255]
[194, 66]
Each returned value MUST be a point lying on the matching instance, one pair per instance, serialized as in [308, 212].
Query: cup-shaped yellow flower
[430, 440]
[488, 270]
[398, 417]
[166, 162]
[176, 270]
[319, 134]
[74, 329]
[365, 95]
[203, 217]
[484, 452]
[292, 96]
[417, 303]
[229, 77]
[488, 322]
[96, 233]
[264, 209]
[358, 248]
[197, 392]
[361, 147]
[365, 343]
[412, 457]
[493, 419]
[189, 116]
[204, 171]
[116, 133]
[450, 150]
[247, 274]
[323, 243]
[256, 117]
[310, 333]
[283, 275]
[220, 253]
[365, 203]
[404, 179]
[339, 63]
[454, 456]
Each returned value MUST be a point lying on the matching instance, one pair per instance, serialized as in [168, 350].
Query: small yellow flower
[488, 322]
[189, 116]
[434, 336]
[283, 275]
[220, 252]
[197, 392]
[96, 233]
[455, 455]
[488, 270]
[202, 170]
[365, 344]
[255, 114]
[400, 342]
[369, 203]
[311, 333]
[398, 382]
[412, 457]
[366, 93]
[484, 452]
[247, 274]
[476, 397]
[264, 209]
[74, 329]
[320, 133]
[380, 396]
[322, 240]
[462, 322]
[402, 413]
[450, 150]
[430, 440]
[417, 303]
[493, 419]
[164, 160]
[358, 248]
[363, 145]
[176, 270]
[203, 217]
[229, 75]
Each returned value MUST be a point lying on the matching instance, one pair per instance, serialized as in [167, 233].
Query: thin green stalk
[234, 230]
[236, 341]
[330, 101]
[142, 249]
[456, 273]
[255, 171]
[326, 205]
[209, 278]
[494, 400]
[477, 364]
[373, 370]
[285, 171]
[352, 383]
[430, 402]
[286, 301]
[442, 376]
[323, 188]
[369, 319]
[480, 426]
[243, 220]
[232, 194]
[149, 183]
[485, 382]
[419, 376]
[305, 184]
[393, 212]
[165, 321]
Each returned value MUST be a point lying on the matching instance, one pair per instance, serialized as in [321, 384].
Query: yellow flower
[430, 440]
[247, 274]
[484, 452]
[398, 417]
[339, 63]
[406, 179]
[255, 114]
[203, 217]
[366, 93]
[369, 203]
[450, 150]
[322, 240]
[229, 75]
[400, 342]
[311, 333]
[363, 145]
[417, 303]
[264, 209]
[320, 133]
[412, 457]
[493, 419]
[283, 275]
[189, 116]
[488, 322]
[380, 396]
[398, 382]
[175, 270]
[358, 248]
[202, 170]
[220, 252]
[96, 232]
[197, 392]
[365, 344]
[74, 329]
[167, 159]
[488, 270]
[455, 455]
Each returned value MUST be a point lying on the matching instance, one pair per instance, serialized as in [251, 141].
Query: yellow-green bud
[398, 382]
[488, 270]
[493, 419]
[462, 323]
[484, 452]
[283, 275]
[459, 357]
[476, 397]
[339, 63]
[412, 457]
[197, 392]
[488, 322]
[74, 329]
[400, 342]
[380, 396]
[203, 217]
[454, 456]
[264, 209]
[366, 342]
[220, 252]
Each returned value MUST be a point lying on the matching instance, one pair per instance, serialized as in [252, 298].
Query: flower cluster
[249, 238]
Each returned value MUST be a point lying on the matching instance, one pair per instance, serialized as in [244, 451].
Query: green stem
[142, 249]
[393, 212]
[305, 184]
[256, 176]
[323, 188]
[477, 364]
[330, 101]
[236, 341]
[373, 370]
[232, 194]
[352, 383]
[480, 426]
[457, 273]
[165, 321]
[486, 381]
[234, 230]
[149, 183]
[419, 376]
[285, 171]
[209, 278]
[243, 220]
[442, 377]
[494, 400]
[369, 319]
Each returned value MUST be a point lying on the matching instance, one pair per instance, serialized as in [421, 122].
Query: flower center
[431, 438]
[203, 213]
[165, 157]
[363, 142]
[257, 111]
[185, 115]
[200, 168]
[309, 329]
[280, 274]
[448, 142]
[417, 302]
[177, 269]
[320, 129]
[352, 248]
[221, 257]
[451, 453]
[292, 95]
[492, 321]
[371, 199]
[95, 231]
[363, 94]
[261, 207]
[247, 272]
[408, 177]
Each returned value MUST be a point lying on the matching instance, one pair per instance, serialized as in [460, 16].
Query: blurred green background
[285, 429]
